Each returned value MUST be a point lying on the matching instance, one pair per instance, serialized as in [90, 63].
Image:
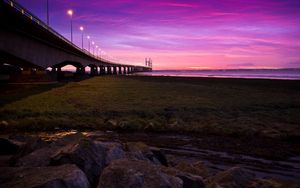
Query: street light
[88, 37]
[70, 13]
[99, 53]
[47, 12]
[96, 50]
[81, 29]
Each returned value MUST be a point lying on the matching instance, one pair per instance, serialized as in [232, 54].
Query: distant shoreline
[269, 74]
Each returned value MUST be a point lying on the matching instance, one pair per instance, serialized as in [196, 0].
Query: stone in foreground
[235, 177]
[136, 173]
[86, 154]
[43, 177]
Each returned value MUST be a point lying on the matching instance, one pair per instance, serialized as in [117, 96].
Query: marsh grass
[197, 105]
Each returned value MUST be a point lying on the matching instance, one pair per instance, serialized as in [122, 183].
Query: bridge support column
[131, 70]
[109, 71]
[125, 70]
[98, 70]
[80, 70]
[102, 70]
[94, 71]
[115, 70]
[120, 70]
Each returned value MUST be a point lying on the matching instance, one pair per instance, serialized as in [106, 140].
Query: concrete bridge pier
[131, 70]
[102, 70]
[94, 70]
[120, 70]
[109, 71]
[115, 70]
[80, 70]
[125, 70]
[57, 71]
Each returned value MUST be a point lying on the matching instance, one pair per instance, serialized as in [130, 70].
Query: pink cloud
[184, 34]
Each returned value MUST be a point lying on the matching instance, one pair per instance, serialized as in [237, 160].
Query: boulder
[3, 124]
[37, 158]
[31, 144]
[43, 177]
[159, 155]
[189, 180]
[8, 147]
[68, 139]
[113, 151]
[197, 168]
[90, 156]
[235, 177]
[136, 173]
[140, 151]
[86, 154]
[112, 123]
[41, 156]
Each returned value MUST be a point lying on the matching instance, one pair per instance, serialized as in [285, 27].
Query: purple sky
[186, 34]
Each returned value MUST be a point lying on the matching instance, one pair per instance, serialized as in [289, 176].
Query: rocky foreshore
[76, 160]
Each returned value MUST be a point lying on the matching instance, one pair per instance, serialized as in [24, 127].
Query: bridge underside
[6, 58]
[29, 44]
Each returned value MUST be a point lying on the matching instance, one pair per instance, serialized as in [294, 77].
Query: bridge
[29, 43]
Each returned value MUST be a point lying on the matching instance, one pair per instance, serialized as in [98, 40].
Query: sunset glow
[190, 34]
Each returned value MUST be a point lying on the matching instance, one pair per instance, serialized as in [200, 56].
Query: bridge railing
[35, 19]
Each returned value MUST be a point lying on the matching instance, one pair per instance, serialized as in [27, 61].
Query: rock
[43, 177]
[113, 152]
[150, 126]
[272, 183]
[42, 156]
[68, 139]
[137, 150]
[3, 124]
[8, 147]
[189, 180]
[37, 158]
[112, 123]
[89, 156]
[31, 144]
[37, 153]
[140, 151]
[197, 168]
[86, 154]
[235, 177]
[136, 173]
[160, 156]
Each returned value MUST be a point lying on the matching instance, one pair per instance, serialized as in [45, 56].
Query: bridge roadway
[27, 42]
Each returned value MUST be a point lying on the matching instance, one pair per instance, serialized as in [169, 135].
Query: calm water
[283, 74]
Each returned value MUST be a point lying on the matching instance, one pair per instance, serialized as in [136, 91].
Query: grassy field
[268, 108]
